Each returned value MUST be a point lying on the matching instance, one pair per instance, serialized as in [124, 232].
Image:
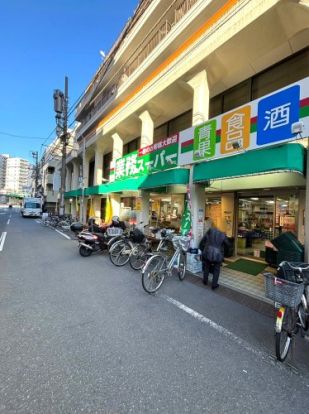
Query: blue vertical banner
[276, 114]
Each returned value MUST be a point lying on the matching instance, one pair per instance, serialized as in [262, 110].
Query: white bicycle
[159, 266]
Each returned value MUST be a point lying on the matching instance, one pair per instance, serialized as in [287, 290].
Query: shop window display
[261, 219]
[166, 211]
[255, 225]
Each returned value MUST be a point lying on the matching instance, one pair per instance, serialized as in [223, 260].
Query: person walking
[212, 247]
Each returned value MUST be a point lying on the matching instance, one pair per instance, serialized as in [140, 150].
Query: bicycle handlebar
[299, 268]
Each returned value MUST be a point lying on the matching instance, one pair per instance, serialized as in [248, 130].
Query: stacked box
[193, 265]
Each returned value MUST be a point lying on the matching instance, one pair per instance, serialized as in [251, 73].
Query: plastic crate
[283, 291]
[288, 241]
[289, 256]
[271, 256]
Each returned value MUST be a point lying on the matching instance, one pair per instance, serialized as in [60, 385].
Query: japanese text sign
[156, 157]
[279, 117]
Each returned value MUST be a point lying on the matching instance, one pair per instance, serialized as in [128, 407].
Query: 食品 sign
[273, 119]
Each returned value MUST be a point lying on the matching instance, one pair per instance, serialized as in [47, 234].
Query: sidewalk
[241, 287]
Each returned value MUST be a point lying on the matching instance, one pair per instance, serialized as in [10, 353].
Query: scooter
[91, 242]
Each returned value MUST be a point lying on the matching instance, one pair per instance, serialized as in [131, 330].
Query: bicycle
[134, 248]
[158, 266]
[141, 252]
[122, 249]
[290, 292]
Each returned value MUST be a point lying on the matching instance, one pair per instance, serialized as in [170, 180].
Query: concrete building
[50, 172]
[18, 176]
[3, 158]
[165, 113]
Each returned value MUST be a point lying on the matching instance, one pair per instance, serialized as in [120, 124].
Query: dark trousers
[213, 268]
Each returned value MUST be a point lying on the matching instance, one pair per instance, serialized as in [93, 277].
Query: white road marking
[8, 222]
[218, 328]
[2, 240]
[241, 342]
[64, 235]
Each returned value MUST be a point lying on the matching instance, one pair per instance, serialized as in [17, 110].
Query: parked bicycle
[158, 266]
[135, 248]
[290, 292]
[141, 252]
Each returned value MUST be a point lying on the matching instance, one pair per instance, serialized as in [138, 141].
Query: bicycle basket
[114, 231]
[137, 236]
[283, 291]
[182, 241]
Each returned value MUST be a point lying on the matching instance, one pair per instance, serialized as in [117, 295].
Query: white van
[32, 207]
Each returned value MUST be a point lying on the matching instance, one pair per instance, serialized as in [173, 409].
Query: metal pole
[64, 147]
[83, 181]
[306, 218]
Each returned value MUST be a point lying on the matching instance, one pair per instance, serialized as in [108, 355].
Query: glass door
[255, 225]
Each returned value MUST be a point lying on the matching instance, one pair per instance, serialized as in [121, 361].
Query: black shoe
[215, 287]
[205, 282]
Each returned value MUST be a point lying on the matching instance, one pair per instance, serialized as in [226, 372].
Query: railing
[177, 10]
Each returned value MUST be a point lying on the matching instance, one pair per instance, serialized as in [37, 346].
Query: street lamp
[71, 200]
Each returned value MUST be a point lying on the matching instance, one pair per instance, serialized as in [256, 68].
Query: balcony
[51, 196]
[171, 17]
[49, 179]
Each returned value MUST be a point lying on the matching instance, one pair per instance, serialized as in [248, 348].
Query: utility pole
[61, 109]
[35, 155]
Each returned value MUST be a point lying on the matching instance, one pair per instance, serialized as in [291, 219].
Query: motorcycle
[97, 239]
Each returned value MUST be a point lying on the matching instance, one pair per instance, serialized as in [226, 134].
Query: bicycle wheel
[120, 253]
[181, 269]
[153, 274]
[138, 257]
[302, 314]
[284, 337]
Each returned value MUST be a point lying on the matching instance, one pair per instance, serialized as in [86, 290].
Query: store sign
[156, 157]
[280, 117]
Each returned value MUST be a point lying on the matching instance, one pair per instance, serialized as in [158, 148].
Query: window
[91, 174]
[180, 123]
[131, 146]
[160, 132]
[278, 76]
[282, 74]
[107, 159]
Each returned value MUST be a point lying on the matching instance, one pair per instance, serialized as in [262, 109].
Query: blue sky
[41, 42]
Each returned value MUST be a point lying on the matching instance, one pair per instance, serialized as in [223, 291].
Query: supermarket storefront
[254, 197]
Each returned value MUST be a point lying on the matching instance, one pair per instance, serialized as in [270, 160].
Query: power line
[19, 136]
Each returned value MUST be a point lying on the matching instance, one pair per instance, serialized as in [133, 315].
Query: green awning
[161, 179]
[166, 178]
[131, 184]
[288, 157]
[73, 193]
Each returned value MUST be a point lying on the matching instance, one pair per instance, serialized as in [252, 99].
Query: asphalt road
[79, 335]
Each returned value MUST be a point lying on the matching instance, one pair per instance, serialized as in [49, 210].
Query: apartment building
[18, 176]
[172, 113]
[3, 158]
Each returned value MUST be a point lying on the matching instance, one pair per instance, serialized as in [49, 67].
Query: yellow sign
[235, 130]
[138, 204]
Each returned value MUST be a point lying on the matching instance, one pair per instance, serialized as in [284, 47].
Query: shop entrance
[166, 210]
[263, 217]
[252, 219]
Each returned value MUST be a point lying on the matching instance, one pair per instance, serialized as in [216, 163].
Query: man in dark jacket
[212, 247]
